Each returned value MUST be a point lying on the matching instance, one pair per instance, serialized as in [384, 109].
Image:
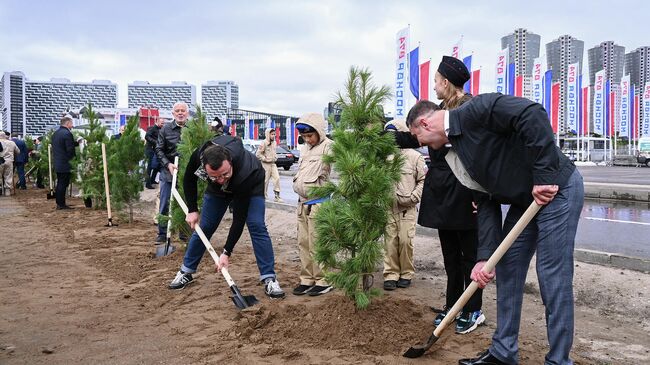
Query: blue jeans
[20, 168]
[165, 195]
[551, 235]
[212, 211]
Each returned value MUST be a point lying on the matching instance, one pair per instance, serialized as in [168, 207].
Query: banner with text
[401, 76]
[624, 124]
[538, 82]
[572, 98]
[645, 132]
[501, 70]
[599, 103]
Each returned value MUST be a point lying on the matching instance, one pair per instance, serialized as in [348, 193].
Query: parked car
[285, 157]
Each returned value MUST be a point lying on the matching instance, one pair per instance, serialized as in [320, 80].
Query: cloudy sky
[287, 56]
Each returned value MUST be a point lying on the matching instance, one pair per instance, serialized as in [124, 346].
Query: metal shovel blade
[164, 250]
[419, 350]
[50, 195]
[242, 301]
[110, 223]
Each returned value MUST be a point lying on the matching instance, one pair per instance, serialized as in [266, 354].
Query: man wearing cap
[504, 146]
[447, 204]
[63, 150]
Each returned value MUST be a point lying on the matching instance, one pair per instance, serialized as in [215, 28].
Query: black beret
[453, 70]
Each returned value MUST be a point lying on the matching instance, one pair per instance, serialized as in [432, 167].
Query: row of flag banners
[634, 105]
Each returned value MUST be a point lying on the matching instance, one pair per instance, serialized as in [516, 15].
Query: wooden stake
[108, 194]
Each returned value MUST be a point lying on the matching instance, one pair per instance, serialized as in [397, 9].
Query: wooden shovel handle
[106, 187]
[204, 239]
[491, 263]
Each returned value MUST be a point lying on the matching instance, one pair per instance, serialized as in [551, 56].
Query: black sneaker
[390, 284]
[403, 283]
[442, 315]
[468, 321]
[317, 290]
[161, 239]
[181, 280]
[64, 207]
[301, 289]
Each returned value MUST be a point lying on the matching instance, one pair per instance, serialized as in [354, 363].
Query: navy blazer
[63, 151]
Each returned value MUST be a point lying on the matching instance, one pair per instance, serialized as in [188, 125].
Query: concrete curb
[614, 191]
[582, 255]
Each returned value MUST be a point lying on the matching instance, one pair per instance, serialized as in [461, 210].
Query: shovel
[529, 214]
[241, 301]
[168, 242]
[107, 189]
[50, 194]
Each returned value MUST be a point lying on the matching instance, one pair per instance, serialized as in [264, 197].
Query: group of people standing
[14, 155]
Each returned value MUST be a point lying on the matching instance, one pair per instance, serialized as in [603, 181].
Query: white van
[643, 156]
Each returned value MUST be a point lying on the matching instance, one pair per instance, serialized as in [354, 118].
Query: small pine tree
[125, 171]
[91, 171]
[349, 225]
[43, 160]
[194, 135]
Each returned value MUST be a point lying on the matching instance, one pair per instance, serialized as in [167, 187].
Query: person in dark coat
[151, 138]
[234, 177]
[63, 150]
[20, 160]
[447, 204]
[504, 146]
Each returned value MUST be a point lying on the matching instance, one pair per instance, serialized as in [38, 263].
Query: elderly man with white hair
[168, 138]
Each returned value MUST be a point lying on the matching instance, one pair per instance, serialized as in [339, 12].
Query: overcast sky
[287, 56]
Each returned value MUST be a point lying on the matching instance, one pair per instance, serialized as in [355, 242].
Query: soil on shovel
[75, 291]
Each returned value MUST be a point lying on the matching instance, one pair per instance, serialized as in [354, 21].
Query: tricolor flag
[501, 71]
[424, 80]
[476, 81]
[233, 129]
[548, 81]
[635, 115]
[510, 75]
[599, 103]
[624, 126]
[519, 85]
[538, 82]
[402, 46]
[584, 103]
[645, 128]
[572, 99]
[555, 106]
[288, 130]
[414, 72]
[468, 63]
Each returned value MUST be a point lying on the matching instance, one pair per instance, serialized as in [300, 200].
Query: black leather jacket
[168, 138]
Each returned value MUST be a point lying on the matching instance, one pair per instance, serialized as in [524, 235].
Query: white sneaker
[181, 281]
[272, 288]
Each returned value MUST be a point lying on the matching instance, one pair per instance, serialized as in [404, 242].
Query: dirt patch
[73, 290]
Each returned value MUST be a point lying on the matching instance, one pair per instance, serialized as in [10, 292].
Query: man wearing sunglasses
[234, 177]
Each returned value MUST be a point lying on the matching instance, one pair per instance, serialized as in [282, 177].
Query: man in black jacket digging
[235, 177]
[504, 146]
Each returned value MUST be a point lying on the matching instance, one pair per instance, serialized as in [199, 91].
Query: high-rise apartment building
[560, 53]
[637, 65]
[610, 57]
[217, 97]
[523, 48]
[161, 96]
[33, 107]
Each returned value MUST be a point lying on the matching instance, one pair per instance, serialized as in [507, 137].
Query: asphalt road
[609, 226]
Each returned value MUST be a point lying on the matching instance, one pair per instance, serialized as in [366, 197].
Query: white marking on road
[616, 221]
